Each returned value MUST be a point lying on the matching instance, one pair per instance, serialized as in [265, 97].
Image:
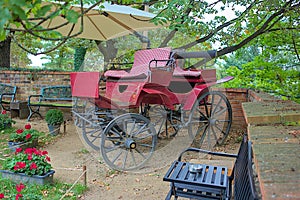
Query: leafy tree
[271, 26]
[252, 20]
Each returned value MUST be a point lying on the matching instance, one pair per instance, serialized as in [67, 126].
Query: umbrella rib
[96, 27]
[118, 21]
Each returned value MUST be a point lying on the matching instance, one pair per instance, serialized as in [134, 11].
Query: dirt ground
[69, 154]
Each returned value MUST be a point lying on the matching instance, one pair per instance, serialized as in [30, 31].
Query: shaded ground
[69, 154]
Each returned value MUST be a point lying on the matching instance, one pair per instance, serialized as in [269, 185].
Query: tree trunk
[108, 50]
[5, 53]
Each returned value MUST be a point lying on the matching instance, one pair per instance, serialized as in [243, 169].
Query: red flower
[1, 196]
[30, 150]
[19, 165]
[38, 153]
[29, 157]
[3, 112]
[44, 153]
[18, 196]
[28, 136]
[20, 187]
[27, 126]
[33, 166]
[48, 158]
[18, 150]
[19, 131]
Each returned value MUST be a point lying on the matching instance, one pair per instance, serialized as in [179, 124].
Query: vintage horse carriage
[156, 98]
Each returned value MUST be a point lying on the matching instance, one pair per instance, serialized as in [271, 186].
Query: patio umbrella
[108, 22]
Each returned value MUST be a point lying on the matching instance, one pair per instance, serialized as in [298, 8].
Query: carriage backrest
[143, 58]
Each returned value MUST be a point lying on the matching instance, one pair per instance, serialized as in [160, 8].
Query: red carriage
[157, 96]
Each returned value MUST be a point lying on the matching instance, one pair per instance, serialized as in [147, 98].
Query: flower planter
[14, 145]
[23, 178]
[54, 129]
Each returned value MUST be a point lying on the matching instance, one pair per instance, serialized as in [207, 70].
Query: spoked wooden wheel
[94, 122]
[210, 120]
[128, 142]
[164, 120]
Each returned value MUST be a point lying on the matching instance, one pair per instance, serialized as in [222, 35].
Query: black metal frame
[47, 98]
[7, 95]
[206, 185]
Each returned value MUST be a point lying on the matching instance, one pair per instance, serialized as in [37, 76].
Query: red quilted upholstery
[140, 67]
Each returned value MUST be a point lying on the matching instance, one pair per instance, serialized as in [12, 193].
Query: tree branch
[173, 32]
[211, 34]
[260, 31]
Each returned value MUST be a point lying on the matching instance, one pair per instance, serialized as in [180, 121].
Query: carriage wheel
[128, 142]
[93, 126]
[210, 120]
[163, 119]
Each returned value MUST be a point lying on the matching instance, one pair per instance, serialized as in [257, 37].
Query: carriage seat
[144, 60]
[181, 72]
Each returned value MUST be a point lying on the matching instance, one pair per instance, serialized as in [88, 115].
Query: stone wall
[29, 83]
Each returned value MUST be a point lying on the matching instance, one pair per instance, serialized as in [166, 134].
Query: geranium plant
[24, 135]
[19, 188]
[5, 120]
[30, 161]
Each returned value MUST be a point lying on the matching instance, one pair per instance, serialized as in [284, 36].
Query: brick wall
[236, 97]
[29, 83]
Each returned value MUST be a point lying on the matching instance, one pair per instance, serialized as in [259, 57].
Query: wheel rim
[128, 142]
[210, 120]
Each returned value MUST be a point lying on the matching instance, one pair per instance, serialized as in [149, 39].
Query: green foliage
[29, 161]
[79, 57]
[26, 135]
[54, 117]
[5, 120]
[38, 192]
[266, 76]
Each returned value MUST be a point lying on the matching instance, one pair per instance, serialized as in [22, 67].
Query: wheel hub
[130, 143]
[213, 121]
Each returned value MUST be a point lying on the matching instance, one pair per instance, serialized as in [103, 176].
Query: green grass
[35, 192]
[42, 192]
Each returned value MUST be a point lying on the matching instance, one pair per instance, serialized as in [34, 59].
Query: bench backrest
[5, 88]
[244, 187]
[56, 93]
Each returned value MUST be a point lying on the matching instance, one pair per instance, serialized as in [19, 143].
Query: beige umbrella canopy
[103, 22]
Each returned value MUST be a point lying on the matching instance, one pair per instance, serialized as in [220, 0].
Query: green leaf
[72, 16]
[43, 10]
[2, 35]
[18, 11]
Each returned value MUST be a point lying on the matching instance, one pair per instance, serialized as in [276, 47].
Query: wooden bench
[59, 96]
[200, 181]
[7, 95]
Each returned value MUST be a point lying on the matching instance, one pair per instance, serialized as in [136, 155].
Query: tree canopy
[254, 34]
